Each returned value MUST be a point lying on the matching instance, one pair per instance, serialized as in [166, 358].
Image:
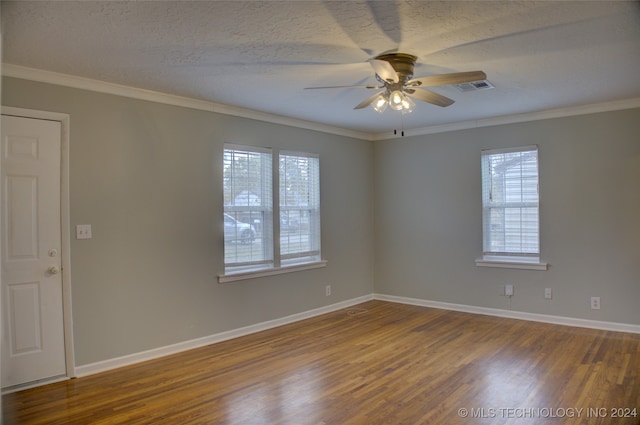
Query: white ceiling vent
[475, 86]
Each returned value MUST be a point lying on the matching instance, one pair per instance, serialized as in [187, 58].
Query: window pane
[510, 202]
[248, 209]
[299, 208]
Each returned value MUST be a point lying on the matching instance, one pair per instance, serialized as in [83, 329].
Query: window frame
[263, 209]
[520, 259]
[314, 254]
[278, 263]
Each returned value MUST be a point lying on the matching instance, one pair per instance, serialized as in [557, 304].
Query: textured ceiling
[260, 55]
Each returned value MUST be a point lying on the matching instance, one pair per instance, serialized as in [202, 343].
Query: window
[265, 229]
[248, 208]
[299, 208]
[510, 204]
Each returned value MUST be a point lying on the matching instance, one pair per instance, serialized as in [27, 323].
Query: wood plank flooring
[376, 363]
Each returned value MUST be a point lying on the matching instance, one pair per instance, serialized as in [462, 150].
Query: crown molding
[50, 77]
[592, 108]
[33, 74]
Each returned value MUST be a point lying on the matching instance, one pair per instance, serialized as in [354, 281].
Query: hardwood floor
[376, 363]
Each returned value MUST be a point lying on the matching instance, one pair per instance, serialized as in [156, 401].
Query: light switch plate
[83, 231]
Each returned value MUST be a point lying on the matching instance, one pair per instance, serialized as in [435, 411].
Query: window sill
[270, 272]
[511, 263]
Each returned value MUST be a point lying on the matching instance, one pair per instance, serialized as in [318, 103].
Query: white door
[33, 335]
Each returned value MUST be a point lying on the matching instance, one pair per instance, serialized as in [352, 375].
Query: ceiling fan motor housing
[403, 64]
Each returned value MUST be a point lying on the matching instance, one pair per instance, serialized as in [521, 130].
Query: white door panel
[33, 337]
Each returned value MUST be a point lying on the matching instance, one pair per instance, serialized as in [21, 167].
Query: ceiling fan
[395, 72]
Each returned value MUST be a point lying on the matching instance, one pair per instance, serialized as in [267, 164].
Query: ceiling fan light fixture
[380, 103]
[408, 105]
[396, 99]
[399, 101]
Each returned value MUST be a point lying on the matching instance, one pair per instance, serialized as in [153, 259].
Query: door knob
[53, 270]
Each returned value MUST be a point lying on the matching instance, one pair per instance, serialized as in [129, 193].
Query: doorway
[36, 346]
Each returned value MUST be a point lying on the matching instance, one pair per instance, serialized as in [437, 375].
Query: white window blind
[248, 208]
[510, 203]
[299, 177]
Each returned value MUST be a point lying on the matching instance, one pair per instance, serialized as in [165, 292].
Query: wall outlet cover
[83, 231]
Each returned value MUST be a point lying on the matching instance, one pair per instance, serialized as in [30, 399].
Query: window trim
[277, 268]
[267, 210]
[233, 277]
[296, 258]
[513, 260]
[511, 263]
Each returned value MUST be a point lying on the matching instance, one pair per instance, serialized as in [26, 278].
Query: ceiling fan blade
[384, 70]
[345, 87]
[368, 101]
[430, 97]
[446, 79]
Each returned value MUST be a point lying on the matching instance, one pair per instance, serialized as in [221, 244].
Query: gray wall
[428, 215]
[148, 177]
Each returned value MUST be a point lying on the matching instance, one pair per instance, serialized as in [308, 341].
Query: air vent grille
[475, 86]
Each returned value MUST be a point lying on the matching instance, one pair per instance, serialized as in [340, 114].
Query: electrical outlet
[327, 290]
[595, 303]
[508, 290]
[547, 293]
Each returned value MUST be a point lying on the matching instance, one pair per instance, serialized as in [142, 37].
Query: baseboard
[155, 353]
[534, 317]
[33, 384]
[102, 366]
